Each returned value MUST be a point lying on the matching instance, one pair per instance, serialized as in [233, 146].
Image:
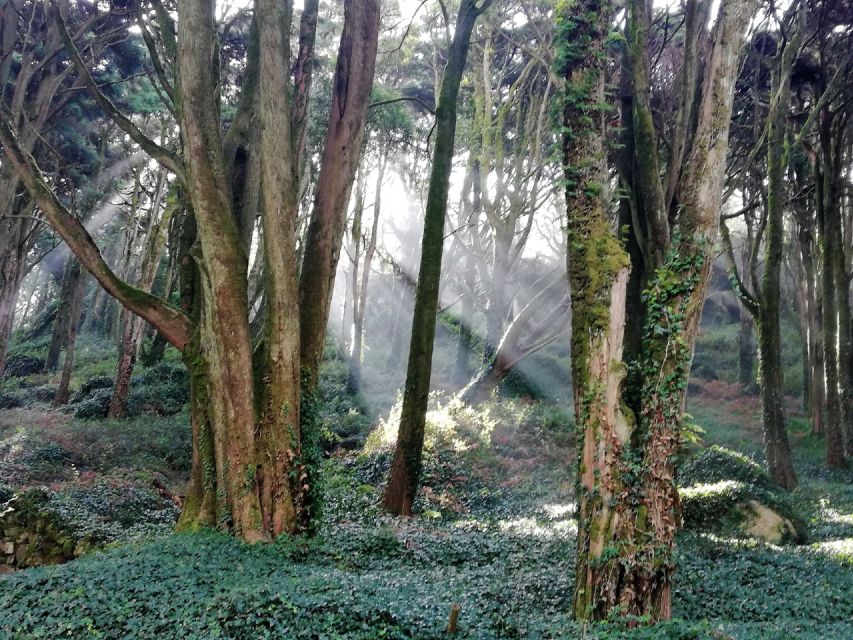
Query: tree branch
[165, 157]
[173, 324]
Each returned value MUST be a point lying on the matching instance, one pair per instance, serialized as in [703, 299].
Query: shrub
[87, 389]
[20, 365]
[94, 407]
[162, 389]
[11, 401]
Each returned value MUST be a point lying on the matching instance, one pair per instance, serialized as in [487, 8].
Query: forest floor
[495, 533]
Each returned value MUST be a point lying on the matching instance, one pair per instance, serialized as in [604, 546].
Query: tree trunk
[830, 235]
[12, 255]
[746, 352]
[464, 345]
[627, 500]
[776, 447]
[75, 311]
[360, 292]
[70, 280]
[352, 84]
[402, 486]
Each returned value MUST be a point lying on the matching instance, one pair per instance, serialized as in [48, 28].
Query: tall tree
[248, 475]
[629, 395]
[402, 486]
[764, 304]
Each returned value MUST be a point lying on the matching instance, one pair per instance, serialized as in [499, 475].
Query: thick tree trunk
[627, 500]
[402, 486]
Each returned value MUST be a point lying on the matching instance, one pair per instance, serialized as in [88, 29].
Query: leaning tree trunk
[402, 486]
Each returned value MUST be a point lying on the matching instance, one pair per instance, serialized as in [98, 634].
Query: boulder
[726, 493]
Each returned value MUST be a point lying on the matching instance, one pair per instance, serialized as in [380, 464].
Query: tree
[402, 486]
[764, 305]
[629, 394]
[249, 473]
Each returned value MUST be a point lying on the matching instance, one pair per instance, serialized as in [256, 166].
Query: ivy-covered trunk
[628, 416]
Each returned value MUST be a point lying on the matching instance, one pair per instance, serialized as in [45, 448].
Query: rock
[7, 547]
[19, 366]
[764, 523]
[741, 510]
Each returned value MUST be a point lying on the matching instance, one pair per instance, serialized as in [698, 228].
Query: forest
[485, 319]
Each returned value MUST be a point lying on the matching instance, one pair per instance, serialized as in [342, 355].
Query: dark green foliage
[163, 389]
[112, 510]
[365, 576]
[11, 401]
[25, 460]
[716, 464]
[343, 416]
[144, 442]
[87, 389]
[94, 407]
[20, 365]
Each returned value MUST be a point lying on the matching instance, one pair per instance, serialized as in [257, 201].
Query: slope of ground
[495, 534]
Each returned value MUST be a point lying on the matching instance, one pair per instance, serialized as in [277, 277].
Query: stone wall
[30, 537]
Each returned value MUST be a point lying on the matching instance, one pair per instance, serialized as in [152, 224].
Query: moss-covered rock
[725, 492]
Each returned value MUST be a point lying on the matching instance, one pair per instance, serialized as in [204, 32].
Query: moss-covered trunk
[776, 448]
[402, 486]
[629, 416]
